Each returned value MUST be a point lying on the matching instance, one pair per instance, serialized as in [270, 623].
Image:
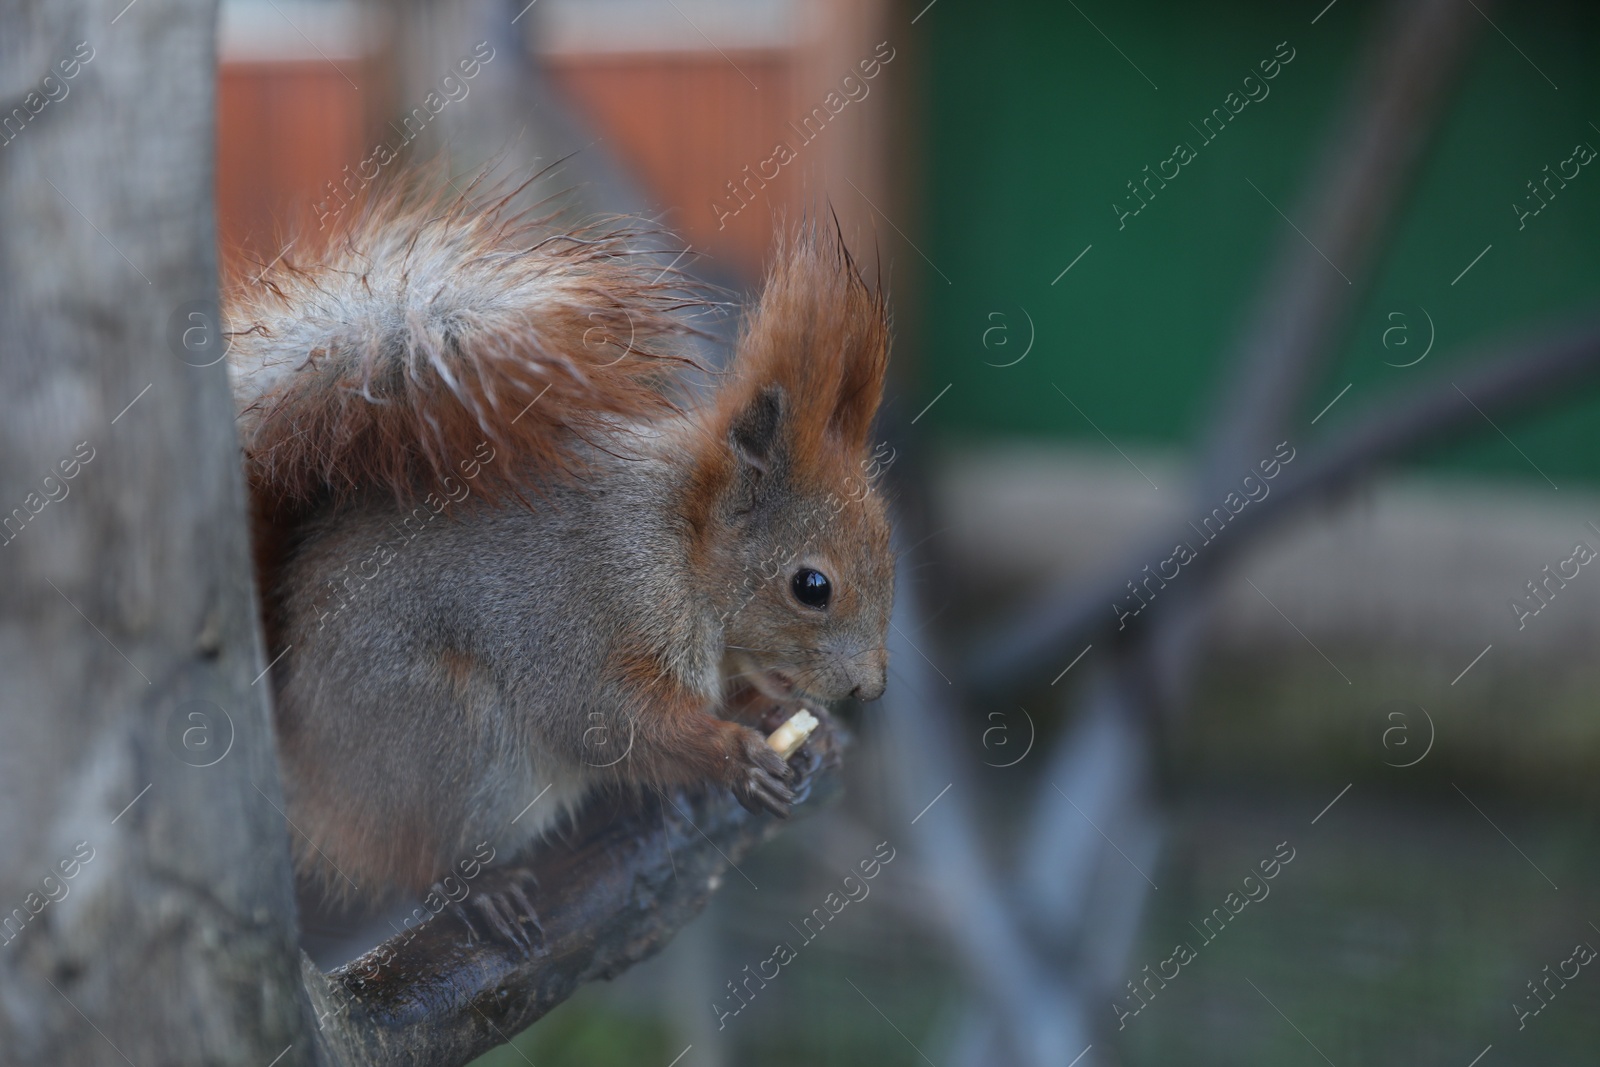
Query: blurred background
[1098, 336]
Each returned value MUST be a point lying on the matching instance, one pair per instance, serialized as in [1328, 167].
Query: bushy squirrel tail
[431, 325]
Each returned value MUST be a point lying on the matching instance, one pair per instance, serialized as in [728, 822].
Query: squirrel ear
[810, 362]
[861, 388]
[755, 430]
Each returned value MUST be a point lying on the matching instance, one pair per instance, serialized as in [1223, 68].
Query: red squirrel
[504, 565]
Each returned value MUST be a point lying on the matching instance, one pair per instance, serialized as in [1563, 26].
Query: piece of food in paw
[787, 739]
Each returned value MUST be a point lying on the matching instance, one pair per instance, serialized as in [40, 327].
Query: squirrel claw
[775, 799]
[762, 785]
[506, 911]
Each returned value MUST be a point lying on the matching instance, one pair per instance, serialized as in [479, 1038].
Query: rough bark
[128, 639]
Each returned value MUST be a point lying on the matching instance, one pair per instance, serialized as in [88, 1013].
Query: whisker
[777, 651]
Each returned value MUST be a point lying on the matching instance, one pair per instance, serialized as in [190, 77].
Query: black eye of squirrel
[811, 588]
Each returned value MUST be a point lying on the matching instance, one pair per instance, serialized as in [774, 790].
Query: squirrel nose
[870, 690]
[866, 673]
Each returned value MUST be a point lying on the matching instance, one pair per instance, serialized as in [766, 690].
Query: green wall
[1034, 123]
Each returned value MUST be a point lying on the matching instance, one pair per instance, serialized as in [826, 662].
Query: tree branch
[614, 896]
[1517, 377]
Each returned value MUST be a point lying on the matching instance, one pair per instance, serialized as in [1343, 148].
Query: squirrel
[505, 566]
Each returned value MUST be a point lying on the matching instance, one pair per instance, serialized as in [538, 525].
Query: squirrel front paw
[759, 775]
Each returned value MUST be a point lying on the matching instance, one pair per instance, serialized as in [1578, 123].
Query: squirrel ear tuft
[818, 343]
[860, 391]
[754, 432]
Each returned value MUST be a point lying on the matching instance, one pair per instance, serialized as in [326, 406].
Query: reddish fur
[822, 335]
[349, 420]
[678, 740]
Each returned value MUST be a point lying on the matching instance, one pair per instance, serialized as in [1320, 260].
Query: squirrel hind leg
[505, 912]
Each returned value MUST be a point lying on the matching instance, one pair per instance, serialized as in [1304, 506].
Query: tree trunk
[511, 118]
[146, 911]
